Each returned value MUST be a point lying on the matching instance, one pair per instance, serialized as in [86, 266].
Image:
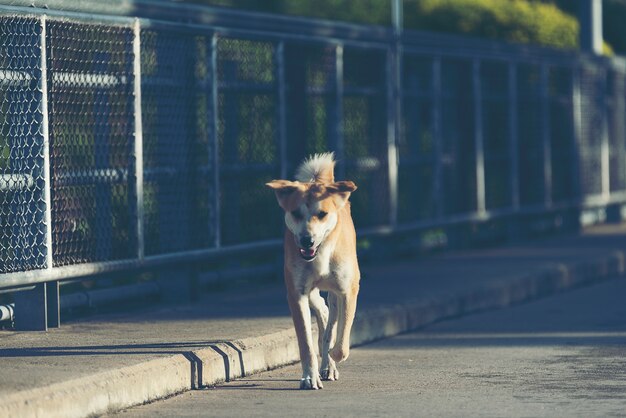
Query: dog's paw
[339, 354]
[309, 382]
[330, 374]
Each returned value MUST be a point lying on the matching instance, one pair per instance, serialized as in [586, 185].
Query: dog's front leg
[328, 370]
[301, 315]
[317, 304]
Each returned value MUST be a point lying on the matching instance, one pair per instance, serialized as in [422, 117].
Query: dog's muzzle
[308, 254]
[307, 249]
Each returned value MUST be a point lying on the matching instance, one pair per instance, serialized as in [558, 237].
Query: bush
[512, 20]
[375, 12]
[543, 22]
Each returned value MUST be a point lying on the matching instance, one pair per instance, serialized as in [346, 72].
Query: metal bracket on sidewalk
[38, 309]
[53, 304]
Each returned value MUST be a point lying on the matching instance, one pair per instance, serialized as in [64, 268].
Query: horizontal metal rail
[20, 279]
[13, 280]
[11, 182]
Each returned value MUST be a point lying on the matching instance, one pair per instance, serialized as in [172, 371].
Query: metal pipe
[45, 133]
[397, 15]
[479, 148]
[147, 290]
[338, 140]
[6, 312]
[282, 108]
[213, 144]
[513, 136]
[605, 144]
[102, 297]
[546, 137]
[437, 123]
[394, 123]
[138, 143]
[16, 182]
[577, 119]
[590, 18]
[150, 262]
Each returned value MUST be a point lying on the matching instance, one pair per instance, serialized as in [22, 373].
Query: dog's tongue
[307, 253]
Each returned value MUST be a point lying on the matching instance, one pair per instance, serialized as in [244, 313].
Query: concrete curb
[103, 392]
[118, 389]
[388, 321]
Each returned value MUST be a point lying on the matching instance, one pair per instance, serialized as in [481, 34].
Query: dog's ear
[284, 190]
[340, 191]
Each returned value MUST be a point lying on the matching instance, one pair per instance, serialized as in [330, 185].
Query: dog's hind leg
[328, 369]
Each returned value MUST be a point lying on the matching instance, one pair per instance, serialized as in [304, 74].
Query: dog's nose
[306, 241]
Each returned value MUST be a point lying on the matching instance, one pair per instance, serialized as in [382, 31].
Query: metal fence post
[282, 111]
[590, 19]
[605, 162]
[514, 223]
[38, 308]
[53, 308]
[513, 137]
[394, 109]
[478, 134]
[545, 136]
[337, 140]
[578, 130]
[138, 143]
[214, 142]
[438, 139]
[393, 128]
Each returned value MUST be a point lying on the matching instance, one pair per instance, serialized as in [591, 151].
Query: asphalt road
[563, 356]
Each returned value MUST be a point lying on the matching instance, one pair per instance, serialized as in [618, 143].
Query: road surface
[564, 356]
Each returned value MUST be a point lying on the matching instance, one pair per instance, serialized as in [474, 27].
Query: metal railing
[128, 142]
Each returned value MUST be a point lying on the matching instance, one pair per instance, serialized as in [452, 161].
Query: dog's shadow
[259, 384]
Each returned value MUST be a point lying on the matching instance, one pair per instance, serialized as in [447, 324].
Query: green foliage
[613, 18]
[376, 12]
[512, 20]
[543, 22]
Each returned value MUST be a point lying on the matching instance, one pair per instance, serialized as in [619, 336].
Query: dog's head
[311, 210]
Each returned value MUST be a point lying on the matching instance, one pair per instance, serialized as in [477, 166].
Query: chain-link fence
[22, 185]
[179, 203]
[91, 127]
[130, 141]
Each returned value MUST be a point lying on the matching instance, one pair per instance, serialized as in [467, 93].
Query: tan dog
[320, 254]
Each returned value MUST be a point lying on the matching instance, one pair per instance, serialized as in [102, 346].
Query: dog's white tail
[317, 168]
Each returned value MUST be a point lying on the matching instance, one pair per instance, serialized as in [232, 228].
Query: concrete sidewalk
[110, 362]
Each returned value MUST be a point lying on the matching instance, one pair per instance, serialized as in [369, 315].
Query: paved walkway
[556, 357]
[109, 362]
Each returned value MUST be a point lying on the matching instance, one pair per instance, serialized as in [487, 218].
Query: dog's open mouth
[308, 254]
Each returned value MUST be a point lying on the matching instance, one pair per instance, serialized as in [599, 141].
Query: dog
[320, 254]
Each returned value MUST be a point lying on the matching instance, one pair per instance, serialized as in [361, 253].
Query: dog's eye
[321, 215]
[296, 214]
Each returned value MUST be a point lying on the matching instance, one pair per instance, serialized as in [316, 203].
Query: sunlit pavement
[560, 356]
